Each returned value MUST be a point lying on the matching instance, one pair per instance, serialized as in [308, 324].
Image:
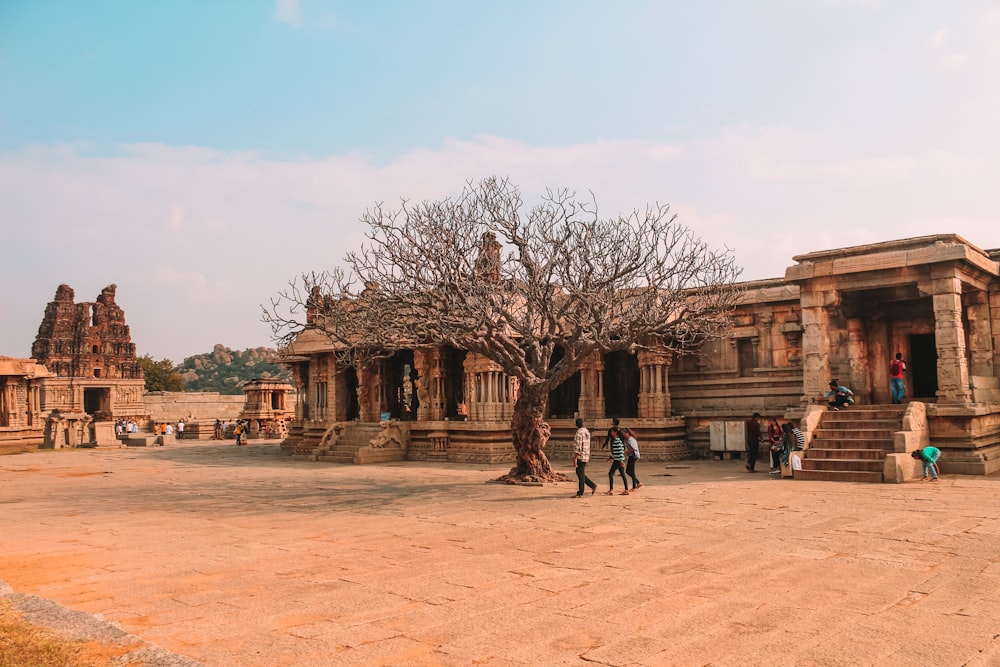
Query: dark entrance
[454, 382]
[923, 366]
[353, 408]
[564, 399]
[97, 400]
[399, 374]
[621, 385]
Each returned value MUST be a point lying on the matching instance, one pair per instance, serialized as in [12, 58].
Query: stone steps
[851, 444]
[353, 447]
[838, 475]
[846, 453]
[848, 465]
[846, 432]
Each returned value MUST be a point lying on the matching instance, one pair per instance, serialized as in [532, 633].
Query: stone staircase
[850, 445]
[353, 447]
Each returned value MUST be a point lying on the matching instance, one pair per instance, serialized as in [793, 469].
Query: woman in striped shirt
[617, 459]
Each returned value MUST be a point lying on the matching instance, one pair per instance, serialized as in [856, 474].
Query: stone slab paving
[243, 556]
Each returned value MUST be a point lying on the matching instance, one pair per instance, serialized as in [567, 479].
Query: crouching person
[928, 456]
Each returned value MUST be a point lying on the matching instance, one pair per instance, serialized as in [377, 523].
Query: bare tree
[480, 273]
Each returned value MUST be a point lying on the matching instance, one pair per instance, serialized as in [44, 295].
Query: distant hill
[225, 371]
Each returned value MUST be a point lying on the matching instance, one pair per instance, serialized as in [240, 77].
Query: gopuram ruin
[93, 371]
[836, 314]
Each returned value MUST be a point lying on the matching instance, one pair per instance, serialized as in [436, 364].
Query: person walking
[928, 456]
[753, 441]
[896, 369]
[581, 456]
[617, 459]
[632, 450]
[615, 423]
[180, 430]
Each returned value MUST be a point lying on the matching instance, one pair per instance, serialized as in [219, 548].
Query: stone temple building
[90, 357]
[21, 399]
[836, 314]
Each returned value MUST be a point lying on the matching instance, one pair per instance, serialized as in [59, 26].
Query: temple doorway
[97, 399]
[923, 366]
[621, 385]
[400, 394]
[454, 383]
[352, 405]
[564, 399]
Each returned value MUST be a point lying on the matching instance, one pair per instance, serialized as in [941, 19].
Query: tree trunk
[530, 434]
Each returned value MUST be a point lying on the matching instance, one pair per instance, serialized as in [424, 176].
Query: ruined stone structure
[21, 399]
[267, 408]
[90, 357]
[836, 314]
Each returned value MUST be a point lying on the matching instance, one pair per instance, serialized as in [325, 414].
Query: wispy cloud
[206, 236]
[287, 11]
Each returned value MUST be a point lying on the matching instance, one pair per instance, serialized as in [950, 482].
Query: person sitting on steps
[838, 396]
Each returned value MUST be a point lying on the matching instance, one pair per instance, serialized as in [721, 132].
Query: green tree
[160, 375]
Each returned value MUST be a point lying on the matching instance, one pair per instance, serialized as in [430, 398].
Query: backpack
[895, 367]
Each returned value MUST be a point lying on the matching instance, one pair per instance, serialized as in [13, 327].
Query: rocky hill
[225, 371]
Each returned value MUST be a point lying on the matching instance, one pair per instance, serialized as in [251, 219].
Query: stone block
[137, 440]
[104, 434]
[901, 467]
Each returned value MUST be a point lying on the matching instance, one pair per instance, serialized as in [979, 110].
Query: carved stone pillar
[491, 394]
[977, 312]
[860, 380]
[765, 344]
[816, 341]
[8, 403]
[369, 389]
[654, 395]
[591, 402]
[429, 362]
[949, 333]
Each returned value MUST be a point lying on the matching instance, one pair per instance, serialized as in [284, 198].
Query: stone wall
[171, 406]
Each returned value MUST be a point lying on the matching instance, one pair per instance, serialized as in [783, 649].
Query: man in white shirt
[581, 455]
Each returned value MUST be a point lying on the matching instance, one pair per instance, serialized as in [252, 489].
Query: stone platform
[245, 556]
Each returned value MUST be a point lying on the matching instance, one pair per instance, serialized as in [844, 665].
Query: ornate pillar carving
[765, 350]
[492, 394]
[977, 312]
[369, 392]
[949, 333]
[816, 340]
[591, 402]
[429, 362]
[857, 354]
[654, 395]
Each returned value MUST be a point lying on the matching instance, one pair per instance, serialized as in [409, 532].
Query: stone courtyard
[244, 556]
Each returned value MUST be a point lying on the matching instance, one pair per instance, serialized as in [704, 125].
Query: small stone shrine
[266, 408]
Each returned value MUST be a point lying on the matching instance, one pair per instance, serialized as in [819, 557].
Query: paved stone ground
[242, 556]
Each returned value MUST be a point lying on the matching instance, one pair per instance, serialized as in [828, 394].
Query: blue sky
[202, 154]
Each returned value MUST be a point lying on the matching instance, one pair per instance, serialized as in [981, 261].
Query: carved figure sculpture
[389, 434]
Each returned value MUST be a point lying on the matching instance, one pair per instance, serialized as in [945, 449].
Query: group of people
[624, 453]
[125, 426]
[240, 430]
[782, 439]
